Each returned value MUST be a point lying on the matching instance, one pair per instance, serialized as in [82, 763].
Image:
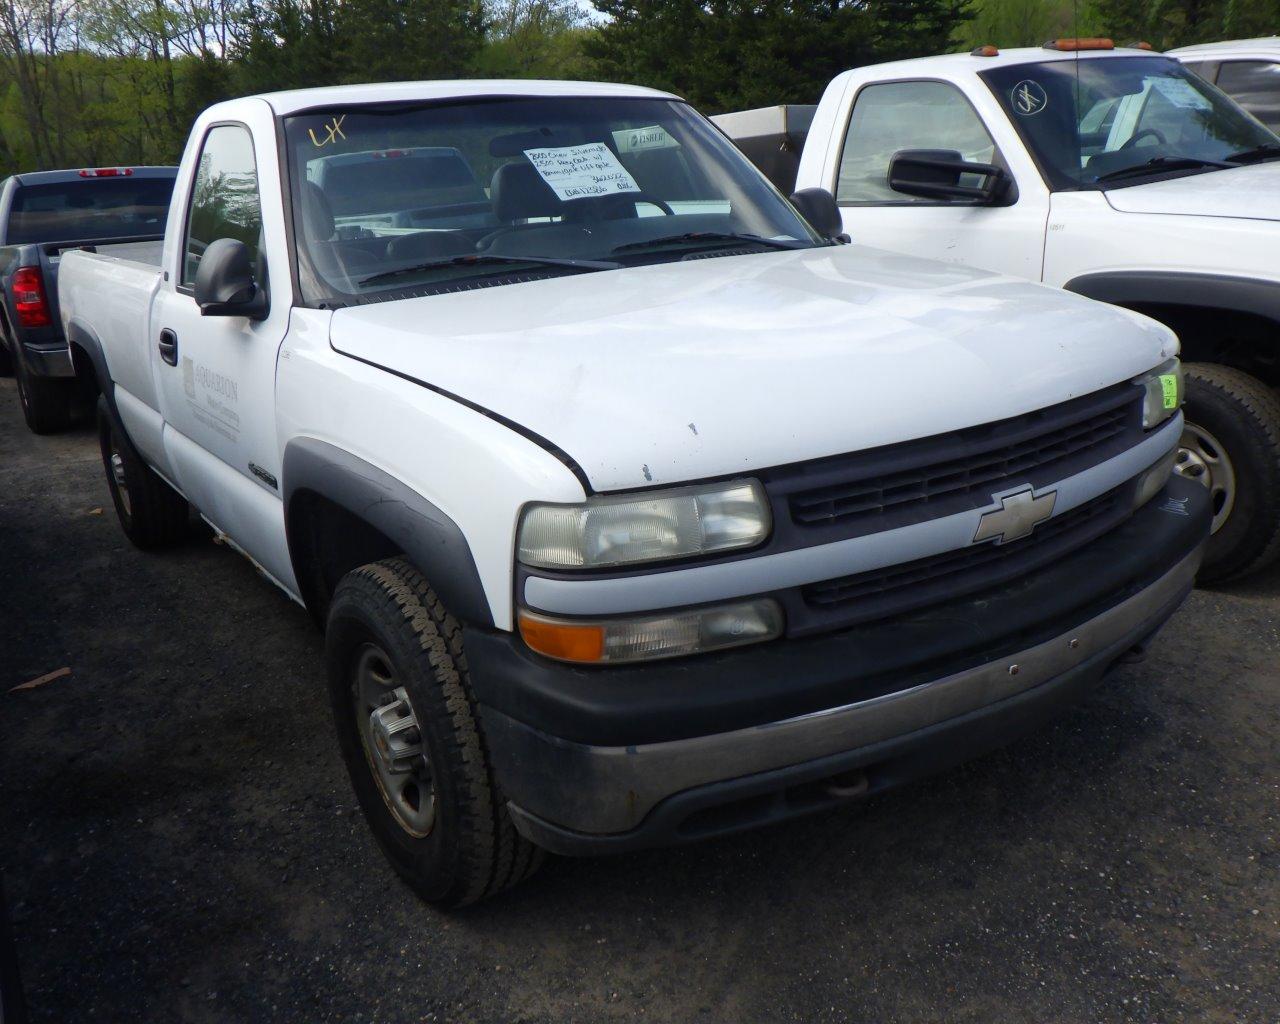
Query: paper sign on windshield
[1180, 93]
[578, 172]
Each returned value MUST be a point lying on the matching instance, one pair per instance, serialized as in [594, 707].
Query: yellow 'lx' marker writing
[333, 133]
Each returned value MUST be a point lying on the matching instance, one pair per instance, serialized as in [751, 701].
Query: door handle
[169, 347]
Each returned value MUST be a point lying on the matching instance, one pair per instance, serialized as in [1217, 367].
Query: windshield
[1102, 123]
[390, 201]
[93, 208]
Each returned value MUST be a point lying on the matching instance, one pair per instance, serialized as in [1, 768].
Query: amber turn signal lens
[563, 640]
[669, 634]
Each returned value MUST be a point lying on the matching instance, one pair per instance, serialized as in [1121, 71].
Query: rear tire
[434, 807]
[47, 402]
[152, 514]
[1232, 445]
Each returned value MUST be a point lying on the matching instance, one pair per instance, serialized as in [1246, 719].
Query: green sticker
[1169, 389]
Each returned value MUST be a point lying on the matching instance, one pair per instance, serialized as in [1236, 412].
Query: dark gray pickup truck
[42, 215]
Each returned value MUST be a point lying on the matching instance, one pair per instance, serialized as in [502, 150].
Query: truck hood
[1247, 193]
[706, 368]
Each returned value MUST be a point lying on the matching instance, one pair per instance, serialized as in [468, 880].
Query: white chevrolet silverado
[634, 509]
[1114, 173]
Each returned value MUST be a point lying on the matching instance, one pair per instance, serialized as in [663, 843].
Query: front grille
[912, 585]
[937, 476]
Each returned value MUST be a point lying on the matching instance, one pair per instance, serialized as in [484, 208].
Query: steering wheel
[618, 198]
[1155, 132]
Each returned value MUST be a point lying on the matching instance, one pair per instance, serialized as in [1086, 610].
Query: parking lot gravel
[178, 840]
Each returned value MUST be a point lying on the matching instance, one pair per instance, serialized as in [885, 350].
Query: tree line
[93, 82]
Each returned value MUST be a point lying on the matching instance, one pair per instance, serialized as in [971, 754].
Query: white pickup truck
[634, 509]
[1117, 174]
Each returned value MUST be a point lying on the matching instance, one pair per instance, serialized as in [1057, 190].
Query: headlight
[1164, 393]
[650, 527]
[669, 635]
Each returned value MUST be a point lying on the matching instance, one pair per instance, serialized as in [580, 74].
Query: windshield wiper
[1160, 163]
[468, 259]
[1267, 151]
[708, 236]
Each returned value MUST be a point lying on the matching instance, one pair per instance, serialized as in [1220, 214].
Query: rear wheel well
[1246, 341]
[87, 383]
[326, 541]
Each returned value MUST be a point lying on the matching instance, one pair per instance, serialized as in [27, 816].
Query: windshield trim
[337, 300]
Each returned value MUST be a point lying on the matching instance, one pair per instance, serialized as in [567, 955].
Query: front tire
[1231, 445]
[412, 741]
[152, 514]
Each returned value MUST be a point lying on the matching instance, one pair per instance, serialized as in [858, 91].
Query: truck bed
[146, 253]
[772, 138]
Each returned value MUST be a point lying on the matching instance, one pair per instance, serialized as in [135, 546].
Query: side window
[905, 115]
[224, 199]
[1255, 85]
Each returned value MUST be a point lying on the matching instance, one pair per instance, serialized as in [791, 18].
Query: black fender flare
[1132, 288]
[82, 337]
[429, 539]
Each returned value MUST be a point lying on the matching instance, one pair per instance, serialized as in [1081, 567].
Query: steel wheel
[393, 742]
[1201, 457]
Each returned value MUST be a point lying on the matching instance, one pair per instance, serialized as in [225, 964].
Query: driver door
[216, 374]
[890, 116]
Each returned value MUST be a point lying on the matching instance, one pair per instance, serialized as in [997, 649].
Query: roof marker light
[1074, 45]
[985, 51]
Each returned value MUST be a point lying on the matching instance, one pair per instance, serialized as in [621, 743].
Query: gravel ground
[179, 841]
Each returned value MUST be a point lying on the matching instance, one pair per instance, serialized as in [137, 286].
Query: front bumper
[981, 675]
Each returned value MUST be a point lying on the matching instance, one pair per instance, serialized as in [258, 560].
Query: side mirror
[225, 285]
[936, 173]
[818, 207]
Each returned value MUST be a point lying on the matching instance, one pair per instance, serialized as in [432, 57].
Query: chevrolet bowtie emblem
[1019, 513]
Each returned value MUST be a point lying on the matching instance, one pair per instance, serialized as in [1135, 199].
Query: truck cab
[1117, 174]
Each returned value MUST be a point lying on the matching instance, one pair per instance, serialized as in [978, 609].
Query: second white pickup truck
[1113, 173]
[634, 509]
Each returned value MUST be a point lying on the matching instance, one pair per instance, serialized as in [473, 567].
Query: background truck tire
[1233, 437]
[387, 629]
[46, 401]
[152, 514]
[6, 362]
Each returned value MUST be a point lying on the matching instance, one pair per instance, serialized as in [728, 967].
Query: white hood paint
[1251, 192]
[682, 371]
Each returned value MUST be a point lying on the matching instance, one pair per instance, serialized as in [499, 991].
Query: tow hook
[847, 784]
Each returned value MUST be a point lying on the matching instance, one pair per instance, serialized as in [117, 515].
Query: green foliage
[1168, 23]
[729, 53]
[1011, 23]
[1163, 23]
[93, 82]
